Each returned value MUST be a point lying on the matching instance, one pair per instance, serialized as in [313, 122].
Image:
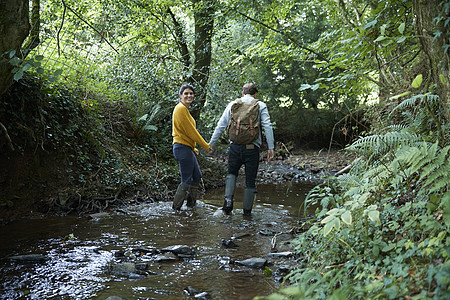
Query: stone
[29, 258]
[179, 250]
[281, 254]
[166, 257]
[253, 262]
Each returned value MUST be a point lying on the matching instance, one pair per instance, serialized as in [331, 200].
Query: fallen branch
[347, 168]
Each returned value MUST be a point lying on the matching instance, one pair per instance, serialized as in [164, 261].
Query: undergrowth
[382, 230]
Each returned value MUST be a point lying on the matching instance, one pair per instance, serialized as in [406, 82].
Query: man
[244, 154]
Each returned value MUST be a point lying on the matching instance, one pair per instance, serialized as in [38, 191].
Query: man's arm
[221, 125]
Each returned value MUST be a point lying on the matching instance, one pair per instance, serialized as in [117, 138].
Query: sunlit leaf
[401, 28]
[442, 77]
[399, 96]
[347, 217]
[374, 216]
[417, 81]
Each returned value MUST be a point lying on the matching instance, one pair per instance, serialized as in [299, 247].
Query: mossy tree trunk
[433, 37]
[204, 25]
[14, 28]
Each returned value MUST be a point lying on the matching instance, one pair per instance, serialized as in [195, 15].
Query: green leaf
[347, 218]
[18, 75]
[26, 67]
[374, 215]
[305, 87]
[401, 28]
[334, 223]
[401, 39]
[417, 81]
[442, 77]
[388, 248]
[57, 72]
[380, 38]
[150, 127]
[39, 57]
[401, 95]
[15, 61]
[328, 219]
[12, 53]
[143, 118]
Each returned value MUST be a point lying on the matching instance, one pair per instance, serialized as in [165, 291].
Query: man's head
[250, 89]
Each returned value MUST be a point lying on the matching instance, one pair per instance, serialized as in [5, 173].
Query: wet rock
[267, 232]
[252, 262]
[281, 254]
[195, 293]
[29, 258]
[241, 235]
[99, 215]
[128, 269]
[166, 257]
[180, 250]
[144, 251]
[229, 243]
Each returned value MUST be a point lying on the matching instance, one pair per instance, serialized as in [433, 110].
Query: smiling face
[187, 96]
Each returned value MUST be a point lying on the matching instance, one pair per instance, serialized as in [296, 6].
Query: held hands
[270, 155]
[209, 150]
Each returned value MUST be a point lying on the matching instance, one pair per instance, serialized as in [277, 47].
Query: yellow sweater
[183, 128]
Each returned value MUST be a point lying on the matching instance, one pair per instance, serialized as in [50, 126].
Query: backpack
[244, 124]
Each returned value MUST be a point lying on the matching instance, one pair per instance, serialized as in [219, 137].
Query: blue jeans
[189, 169]
[247, 155]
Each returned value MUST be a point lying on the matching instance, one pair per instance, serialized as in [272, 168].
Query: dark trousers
[247, 155]
[189, 169]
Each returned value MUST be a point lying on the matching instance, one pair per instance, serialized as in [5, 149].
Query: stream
[124, 253]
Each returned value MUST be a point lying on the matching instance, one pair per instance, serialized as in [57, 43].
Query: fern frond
[381, 144]
[407, 103]
[440, 178]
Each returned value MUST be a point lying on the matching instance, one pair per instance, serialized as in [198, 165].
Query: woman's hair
[185, 86]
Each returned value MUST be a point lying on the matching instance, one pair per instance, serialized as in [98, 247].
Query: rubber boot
[230, 186]
[192, 196]
[249, 197]
[180, 195]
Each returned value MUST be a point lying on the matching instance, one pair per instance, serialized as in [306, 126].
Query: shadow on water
[81, 252]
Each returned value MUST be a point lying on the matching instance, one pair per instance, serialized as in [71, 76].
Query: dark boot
[192, 196]
[179, 197]
[230, 186]
[249, 197]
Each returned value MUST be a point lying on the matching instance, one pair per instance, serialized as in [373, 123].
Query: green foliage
[382, 230]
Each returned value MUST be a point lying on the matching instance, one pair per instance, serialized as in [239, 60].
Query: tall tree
[14, 28]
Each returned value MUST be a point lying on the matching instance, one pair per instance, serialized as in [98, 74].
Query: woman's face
[187, 97]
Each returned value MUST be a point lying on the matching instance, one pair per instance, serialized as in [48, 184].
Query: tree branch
[87, 23]
[320, 56]
[5, 132]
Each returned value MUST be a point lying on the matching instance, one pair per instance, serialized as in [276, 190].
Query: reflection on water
[81, 250]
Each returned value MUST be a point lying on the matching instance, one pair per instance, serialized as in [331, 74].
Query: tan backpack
[244, 124]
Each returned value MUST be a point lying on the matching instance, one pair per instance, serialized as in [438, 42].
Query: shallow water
[82, 250]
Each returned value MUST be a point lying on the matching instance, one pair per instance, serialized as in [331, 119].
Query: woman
[185, 138]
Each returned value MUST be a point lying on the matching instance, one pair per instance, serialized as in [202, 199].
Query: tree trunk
[204, 25]
[14, 28]
[438, 61]
[33, 39]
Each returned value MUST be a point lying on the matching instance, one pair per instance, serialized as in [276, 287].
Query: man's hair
[186, 86]
[249, 88]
